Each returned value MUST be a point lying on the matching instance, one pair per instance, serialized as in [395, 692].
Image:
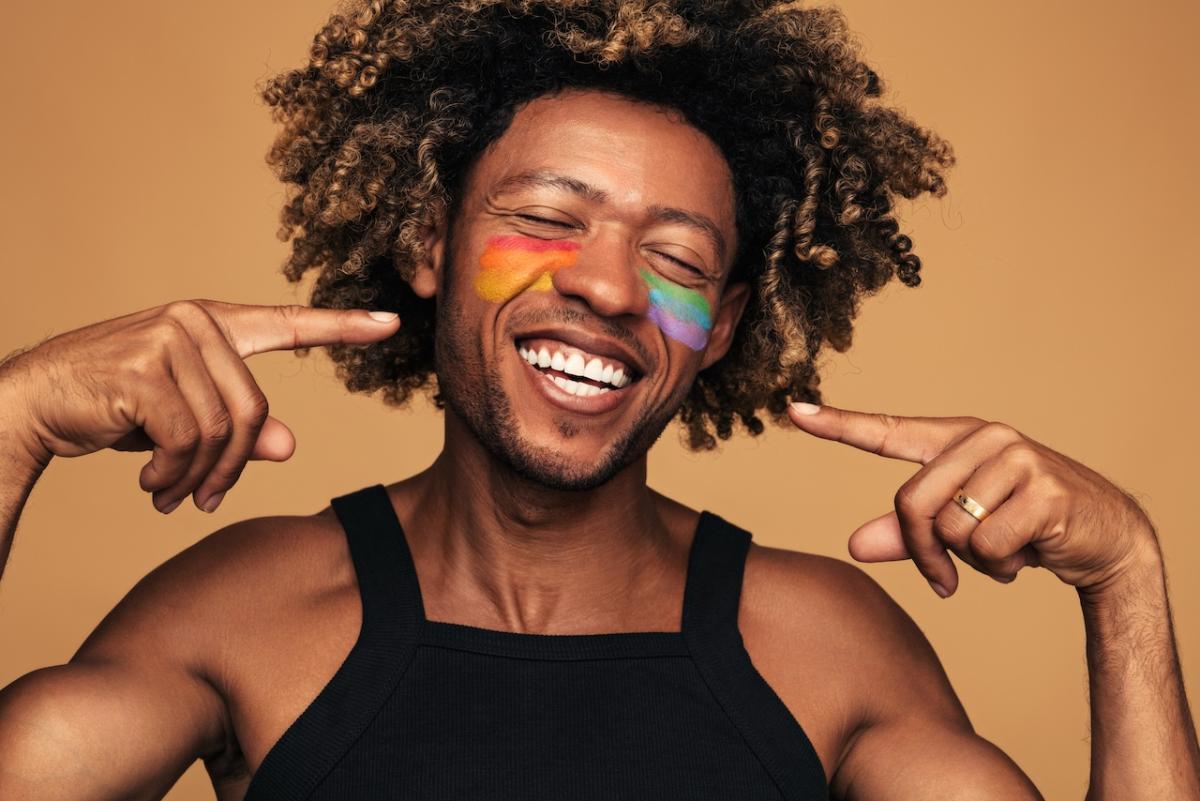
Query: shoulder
[809, 598]
[233, 609]
[836, 647]
[148, 691]
[220, 582]
[843, 655]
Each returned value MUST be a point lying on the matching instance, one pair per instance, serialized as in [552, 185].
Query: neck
[497, 550]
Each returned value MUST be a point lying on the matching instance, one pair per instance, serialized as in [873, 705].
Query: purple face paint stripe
[689, 334]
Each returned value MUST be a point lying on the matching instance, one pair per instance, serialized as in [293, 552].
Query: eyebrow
[549, 178]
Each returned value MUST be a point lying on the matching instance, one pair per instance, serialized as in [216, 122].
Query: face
[583, 284]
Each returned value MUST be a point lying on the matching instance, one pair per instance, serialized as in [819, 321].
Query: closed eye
[544, 220]
[680, 262]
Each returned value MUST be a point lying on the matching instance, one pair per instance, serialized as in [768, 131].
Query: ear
[427, 276]
[729, 312]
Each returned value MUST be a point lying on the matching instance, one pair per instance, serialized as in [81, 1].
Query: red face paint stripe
[529, 243]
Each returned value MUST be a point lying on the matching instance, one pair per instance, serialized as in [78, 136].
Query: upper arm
[915, 741]
[132, 709]
[919, 757]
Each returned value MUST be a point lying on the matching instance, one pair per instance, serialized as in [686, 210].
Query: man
[590, 264]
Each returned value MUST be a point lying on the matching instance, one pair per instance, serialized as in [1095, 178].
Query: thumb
[275, 442]
[879, 540]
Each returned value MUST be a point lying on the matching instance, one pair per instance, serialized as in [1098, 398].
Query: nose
[606, 277]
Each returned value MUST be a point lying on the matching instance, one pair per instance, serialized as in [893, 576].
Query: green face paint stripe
[681, 301]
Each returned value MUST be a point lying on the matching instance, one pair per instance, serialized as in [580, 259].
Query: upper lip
[592, 343]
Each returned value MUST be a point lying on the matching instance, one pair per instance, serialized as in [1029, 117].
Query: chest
[285, 662]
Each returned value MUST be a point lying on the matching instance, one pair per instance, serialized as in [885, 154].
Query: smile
[573, 370]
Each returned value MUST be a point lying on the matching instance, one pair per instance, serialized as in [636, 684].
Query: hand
[1045, 509]
[171, 379]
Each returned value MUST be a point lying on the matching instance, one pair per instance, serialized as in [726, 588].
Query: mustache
[570, 316]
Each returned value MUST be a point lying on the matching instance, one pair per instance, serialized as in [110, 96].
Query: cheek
[514, 264]
[682, 314]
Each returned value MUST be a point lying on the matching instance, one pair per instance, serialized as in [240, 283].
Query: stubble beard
[490, 415]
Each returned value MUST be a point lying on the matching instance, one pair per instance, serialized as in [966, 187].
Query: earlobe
[729, 313]
[428, 272]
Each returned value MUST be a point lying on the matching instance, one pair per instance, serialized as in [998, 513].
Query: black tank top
[426, 709]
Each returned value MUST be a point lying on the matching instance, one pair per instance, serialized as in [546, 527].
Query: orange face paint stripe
[513, 264]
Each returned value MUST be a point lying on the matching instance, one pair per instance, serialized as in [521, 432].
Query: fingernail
[383, 317]
[212, 503]
[939, 589]
[806, 408]
[168, 509]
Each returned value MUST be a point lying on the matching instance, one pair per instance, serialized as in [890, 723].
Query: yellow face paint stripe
[514, 264]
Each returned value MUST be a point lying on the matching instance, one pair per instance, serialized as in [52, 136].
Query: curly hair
[399, 97]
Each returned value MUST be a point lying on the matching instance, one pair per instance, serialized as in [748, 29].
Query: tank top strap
[387, 639]
[387, 578]
[710, 630]
[714, 579]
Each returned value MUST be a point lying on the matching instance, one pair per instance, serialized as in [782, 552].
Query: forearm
[1143, 737]
[20, 467]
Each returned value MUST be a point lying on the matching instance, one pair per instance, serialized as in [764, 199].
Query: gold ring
[971, 506]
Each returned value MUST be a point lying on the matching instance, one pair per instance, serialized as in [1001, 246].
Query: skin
[264, 611]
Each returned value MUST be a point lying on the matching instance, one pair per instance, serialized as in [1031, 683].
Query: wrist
[20, 445]
[1141, 571]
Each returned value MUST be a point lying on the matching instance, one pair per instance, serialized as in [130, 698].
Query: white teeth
[577, 388]
[577, 365]
[574, 365]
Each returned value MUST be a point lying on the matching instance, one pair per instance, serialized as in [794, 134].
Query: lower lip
[591, 404]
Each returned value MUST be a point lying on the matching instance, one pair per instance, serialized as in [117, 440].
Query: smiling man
[592, 219]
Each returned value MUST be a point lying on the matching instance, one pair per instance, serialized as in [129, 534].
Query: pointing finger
[257, 329]
[914, 439]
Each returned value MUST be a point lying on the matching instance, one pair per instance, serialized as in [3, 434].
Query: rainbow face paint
[682, 314]
[511, 265]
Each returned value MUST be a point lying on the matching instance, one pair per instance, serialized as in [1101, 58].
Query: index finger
[254, 329]
[914, 439]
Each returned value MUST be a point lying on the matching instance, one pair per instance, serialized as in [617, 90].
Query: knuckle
[183, 435]
[183, 310]
[290, 312]
[1048, 488]
[997, 431]
[223, 477]
[890, 425]
[1021, 454]
[141, 365]
[168, 332]
[289, 317]
[906, 500]
[952, 528]
[987, 544]
[217, 426]
[254, 409]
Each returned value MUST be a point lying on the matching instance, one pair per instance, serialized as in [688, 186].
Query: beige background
[1060, 296]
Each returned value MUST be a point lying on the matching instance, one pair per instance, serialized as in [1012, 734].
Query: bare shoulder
[832, 612]
[238, 576]
[155, 686]
[864, 681]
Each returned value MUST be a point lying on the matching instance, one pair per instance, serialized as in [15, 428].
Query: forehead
[638, 154]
